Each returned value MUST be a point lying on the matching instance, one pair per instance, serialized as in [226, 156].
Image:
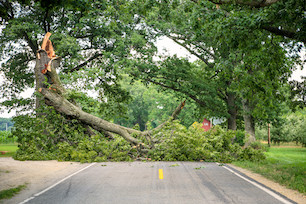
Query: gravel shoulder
[39, 175]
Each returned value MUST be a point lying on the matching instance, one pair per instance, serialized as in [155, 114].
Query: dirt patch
[291, 194]
[37, 175]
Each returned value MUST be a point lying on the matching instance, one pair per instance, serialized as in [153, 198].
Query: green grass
[6, 194]
[286, 166]
[11, 148]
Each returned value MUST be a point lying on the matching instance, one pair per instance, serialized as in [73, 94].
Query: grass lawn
[286, 166]
[6, 194]
[11, 148]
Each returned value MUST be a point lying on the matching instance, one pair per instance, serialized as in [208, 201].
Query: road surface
[156, 182]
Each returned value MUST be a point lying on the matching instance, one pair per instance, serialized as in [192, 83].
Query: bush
[193, 144]
[240, 136]
[6, 137]
[51, 136]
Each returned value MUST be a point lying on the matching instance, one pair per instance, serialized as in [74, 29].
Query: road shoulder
[37, 175]
[291, 194]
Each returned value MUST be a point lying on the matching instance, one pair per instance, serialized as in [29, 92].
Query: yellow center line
[161, 174]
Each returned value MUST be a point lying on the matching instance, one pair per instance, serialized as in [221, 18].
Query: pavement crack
[68, 189]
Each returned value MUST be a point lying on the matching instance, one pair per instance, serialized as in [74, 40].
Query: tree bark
[232, 111]
[249, 123]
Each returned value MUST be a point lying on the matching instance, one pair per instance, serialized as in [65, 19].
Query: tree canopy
[242, 65]
[246, 52]
[94, 40]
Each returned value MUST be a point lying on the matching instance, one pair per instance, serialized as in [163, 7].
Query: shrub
[6, 137]
[52, 136]
[193, 144]
[240, 136]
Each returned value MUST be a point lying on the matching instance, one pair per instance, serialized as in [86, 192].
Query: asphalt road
[155, 182]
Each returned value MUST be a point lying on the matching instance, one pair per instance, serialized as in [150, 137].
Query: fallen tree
[50, 86]
[63, 131]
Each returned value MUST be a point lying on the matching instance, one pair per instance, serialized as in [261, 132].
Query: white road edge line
[50, 187]
[260, 187]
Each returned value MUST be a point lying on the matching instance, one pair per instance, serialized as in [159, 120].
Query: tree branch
[78, 67]
[251, 3]
[9, 14]
[284, 33]
[192, 52]
[202, 103]
[32, 45]
[175, 113]
[178, 110]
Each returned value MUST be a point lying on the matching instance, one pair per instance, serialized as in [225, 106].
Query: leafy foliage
[66, 140]
[238, 57]
[193, 144]
[94, 39]
[240, 137]
[149, 104]
[290, 128]
[6, 137]
[298, 94]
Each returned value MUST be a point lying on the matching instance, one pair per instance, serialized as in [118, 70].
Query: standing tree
[247, 64]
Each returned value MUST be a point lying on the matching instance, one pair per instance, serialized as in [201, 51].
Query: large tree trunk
[249, 123]
[49, 85]
[232, 111]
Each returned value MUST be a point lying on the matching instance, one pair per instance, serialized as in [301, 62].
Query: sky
[167, 47]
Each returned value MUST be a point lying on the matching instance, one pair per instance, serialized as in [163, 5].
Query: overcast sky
[168, 47]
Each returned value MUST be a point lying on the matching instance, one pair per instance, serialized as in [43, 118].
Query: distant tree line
[291, 128]
[4, 121]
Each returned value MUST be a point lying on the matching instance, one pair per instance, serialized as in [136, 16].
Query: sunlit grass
[286, 166]
[9, 193]
[10, 149]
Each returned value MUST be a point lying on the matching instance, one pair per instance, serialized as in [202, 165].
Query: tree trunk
[232, 111]
[249, 123]
[49, 85]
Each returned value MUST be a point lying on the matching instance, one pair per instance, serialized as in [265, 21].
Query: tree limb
[78, 67]
[284, 33]
[193, 52]
[251, 3]
[32, 45]
[262, 3]
[202, 103]
[178, 110]
[62, 105]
